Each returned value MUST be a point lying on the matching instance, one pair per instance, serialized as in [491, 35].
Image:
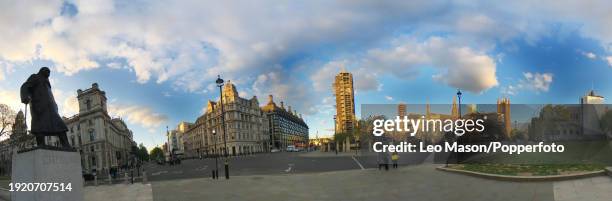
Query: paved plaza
[327, 176]
[421, 182]
[119, 192]
[273, 164]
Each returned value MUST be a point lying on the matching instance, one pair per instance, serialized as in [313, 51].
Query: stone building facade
[286, 126]
[246, 126]
[176, 140]
[104, 142]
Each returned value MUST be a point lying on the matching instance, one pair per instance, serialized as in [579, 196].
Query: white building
[592, 109]
[176, 140]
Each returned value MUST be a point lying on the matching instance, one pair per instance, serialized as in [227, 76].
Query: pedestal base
[47, 166]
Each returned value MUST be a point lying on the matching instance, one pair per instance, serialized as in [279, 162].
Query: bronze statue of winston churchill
[46, 120]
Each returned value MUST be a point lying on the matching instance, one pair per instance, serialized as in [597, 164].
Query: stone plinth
[49, 166]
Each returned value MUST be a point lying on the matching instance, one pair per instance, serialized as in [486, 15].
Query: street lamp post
[216, 171]
[335, 132]
[219, 82]
[459, 97]
[459, 116]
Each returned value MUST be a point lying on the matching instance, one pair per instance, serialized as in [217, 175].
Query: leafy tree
[7, 119]
[156, 153]
[606, 122]
[142, 152]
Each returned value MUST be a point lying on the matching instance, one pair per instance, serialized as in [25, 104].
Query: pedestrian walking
[394, 158]
[383, 160]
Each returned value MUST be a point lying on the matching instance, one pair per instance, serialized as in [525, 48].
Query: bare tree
[7, 119]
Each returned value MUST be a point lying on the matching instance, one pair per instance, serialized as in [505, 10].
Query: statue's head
[45, 71]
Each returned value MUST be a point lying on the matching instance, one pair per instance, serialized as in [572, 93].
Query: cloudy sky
[157, 60]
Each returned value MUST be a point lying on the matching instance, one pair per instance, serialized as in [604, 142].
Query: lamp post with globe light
[219, 82]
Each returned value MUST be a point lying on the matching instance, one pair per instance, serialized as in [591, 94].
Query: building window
[88, 103]
[92, 135]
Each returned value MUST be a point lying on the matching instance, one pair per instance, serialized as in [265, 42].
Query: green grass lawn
[579, 156]
[530, 169]
[581, 152]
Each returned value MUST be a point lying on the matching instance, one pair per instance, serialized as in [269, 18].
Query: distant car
[292, 148]
[274, 150]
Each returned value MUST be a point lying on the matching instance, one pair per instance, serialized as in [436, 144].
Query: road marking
[289, 168]
[358, 163]
[158, 173]
[201, 168]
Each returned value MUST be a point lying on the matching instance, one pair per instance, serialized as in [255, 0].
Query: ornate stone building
[104, 142]
[246, 126]
[286, 126]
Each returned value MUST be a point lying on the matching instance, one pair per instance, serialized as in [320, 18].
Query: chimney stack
[282, 104]
[270, 99]
[289, 110]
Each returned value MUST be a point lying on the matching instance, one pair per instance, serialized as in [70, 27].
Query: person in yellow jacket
[394, 158]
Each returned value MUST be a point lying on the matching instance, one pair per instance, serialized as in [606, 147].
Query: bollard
[144, 177]
[213, 174]
[226, 170]
[125, 179]
[95, 180]
[110, 179]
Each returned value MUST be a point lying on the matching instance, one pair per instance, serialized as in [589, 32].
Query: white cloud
[70, 106]
[323, 78]
[589, 55]
[11, 98]
[187, 39]
[188, 43]
[67, 103]
[389, 98]
[137, 114]
[166, 41]
[291, 91]
[537, 82]
[459, 66]
[540, 82]
[609, 60]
